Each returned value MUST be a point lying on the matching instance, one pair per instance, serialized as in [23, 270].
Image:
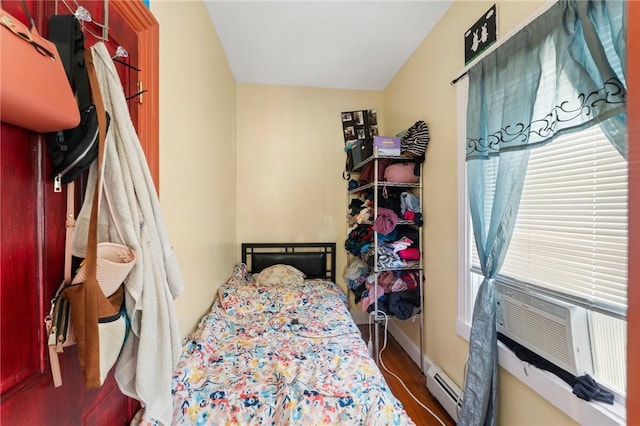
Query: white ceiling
[331, 44]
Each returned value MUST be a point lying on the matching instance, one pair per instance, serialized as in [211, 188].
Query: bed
[277, 348]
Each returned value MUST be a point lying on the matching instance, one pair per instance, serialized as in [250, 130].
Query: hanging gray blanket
[147, 360]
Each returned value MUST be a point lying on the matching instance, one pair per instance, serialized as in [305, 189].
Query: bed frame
[316, 260]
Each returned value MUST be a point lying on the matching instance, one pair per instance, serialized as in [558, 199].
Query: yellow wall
[197, 153]
[290, 162]
[422, 90]
[255, 163]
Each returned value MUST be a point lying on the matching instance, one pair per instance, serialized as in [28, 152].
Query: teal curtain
[562, 73]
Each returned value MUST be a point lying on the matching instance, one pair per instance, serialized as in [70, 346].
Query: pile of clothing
[398, 293]
[403, 305]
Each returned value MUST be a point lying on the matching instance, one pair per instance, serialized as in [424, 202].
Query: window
[570, 240]
[560, 75]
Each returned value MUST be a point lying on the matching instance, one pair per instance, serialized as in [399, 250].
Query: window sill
[554, 390]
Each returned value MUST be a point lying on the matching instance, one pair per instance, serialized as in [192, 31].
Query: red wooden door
[32, 240]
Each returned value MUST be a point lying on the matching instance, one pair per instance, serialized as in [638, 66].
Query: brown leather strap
[105, 308]
[92, 242]
[88, 302]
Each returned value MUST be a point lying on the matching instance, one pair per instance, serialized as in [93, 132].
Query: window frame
[544, 383]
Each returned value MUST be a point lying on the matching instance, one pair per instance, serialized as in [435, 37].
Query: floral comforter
[276, 356]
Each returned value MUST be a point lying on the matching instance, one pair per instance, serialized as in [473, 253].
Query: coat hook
[121, 53]
[136, 95]
[126, 64]
[84, 16]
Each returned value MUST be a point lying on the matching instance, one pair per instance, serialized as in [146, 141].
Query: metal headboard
[316, 260]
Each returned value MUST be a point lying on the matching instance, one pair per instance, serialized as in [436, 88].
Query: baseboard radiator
[444, 390]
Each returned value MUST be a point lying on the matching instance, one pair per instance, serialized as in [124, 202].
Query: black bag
[348, 167]
[73, 150]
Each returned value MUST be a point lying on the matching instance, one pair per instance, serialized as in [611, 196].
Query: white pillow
[280, 275]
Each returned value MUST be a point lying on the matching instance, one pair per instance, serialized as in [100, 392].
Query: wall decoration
[359, 125]
[481, 35]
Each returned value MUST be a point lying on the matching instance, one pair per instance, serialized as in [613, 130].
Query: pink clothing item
[411, 278]
[411, 253]
[401, 172]
[399, 285]
[364, 303]
[385, 280]
[385, 222]
[370, 298]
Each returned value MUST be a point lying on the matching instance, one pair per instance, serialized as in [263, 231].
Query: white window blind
[571, 231]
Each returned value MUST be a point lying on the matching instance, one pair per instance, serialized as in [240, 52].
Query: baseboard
[409, 346]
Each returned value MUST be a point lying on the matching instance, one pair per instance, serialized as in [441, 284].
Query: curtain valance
[563, 72]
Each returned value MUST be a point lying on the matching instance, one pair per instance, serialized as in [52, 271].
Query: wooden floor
[398, 362]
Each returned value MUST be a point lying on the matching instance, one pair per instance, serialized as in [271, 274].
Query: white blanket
[145, 367]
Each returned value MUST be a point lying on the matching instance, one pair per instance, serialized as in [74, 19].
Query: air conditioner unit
[444, 390]
[555, 330]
